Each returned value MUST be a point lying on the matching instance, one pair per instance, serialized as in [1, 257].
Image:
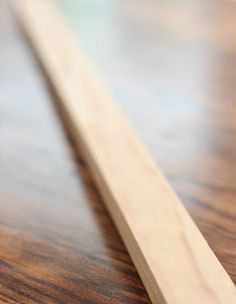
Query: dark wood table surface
[172, 67]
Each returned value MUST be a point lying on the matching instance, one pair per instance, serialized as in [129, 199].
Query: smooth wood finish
[182, 104]
[167, 248]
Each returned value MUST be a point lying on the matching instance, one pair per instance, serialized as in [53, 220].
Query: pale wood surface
[172, 66]
[151, 209]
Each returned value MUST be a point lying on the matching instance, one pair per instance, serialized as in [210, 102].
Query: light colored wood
[172, 257]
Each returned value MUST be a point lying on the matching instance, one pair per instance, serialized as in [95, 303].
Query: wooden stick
[172, 257]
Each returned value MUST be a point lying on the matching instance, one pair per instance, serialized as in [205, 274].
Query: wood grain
[167, 248]
[182, 104]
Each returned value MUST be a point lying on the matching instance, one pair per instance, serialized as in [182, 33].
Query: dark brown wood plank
[58, 244]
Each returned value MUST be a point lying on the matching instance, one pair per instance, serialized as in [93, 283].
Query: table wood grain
[172, 67]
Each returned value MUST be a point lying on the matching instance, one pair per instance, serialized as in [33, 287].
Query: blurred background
[171, 65]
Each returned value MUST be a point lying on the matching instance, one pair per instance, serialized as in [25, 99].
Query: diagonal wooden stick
[172, 257]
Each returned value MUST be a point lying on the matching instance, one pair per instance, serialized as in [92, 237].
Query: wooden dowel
[173, 259]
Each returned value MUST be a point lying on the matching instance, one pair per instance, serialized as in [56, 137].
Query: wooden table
[171, 65]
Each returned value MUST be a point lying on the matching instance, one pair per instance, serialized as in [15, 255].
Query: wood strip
[172, 257]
